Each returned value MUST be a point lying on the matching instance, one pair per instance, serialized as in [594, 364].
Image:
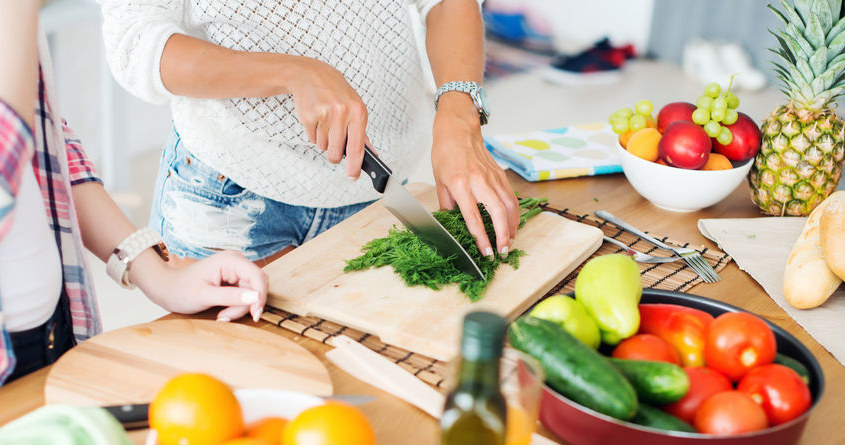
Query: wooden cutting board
[310, 280]
[130, 365]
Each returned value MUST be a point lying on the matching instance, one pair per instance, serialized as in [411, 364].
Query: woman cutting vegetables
[269, 96]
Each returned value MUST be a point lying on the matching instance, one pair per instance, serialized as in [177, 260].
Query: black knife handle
[131, 417]
[377, 170]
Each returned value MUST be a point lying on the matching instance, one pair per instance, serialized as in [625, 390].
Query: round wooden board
[130, 365]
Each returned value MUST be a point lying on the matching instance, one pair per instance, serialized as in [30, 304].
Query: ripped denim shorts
[199, 212]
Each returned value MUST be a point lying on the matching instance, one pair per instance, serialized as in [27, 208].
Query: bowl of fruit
[671, 369]
[692, 155]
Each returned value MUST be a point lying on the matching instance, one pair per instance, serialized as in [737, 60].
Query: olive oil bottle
[475, 409]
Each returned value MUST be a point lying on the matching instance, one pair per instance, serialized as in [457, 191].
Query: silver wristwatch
[121, 258]
[475, 91]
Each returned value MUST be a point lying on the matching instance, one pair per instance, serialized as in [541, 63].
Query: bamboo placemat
[676, 276]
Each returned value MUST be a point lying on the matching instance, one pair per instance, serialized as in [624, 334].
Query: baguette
[808, 281]
[832, 233]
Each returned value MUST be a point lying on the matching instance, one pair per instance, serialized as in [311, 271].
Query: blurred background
[550, 63]
[119, 130]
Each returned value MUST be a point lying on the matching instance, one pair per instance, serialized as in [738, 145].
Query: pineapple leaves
[818, 86]
[793, 16]
[814, 33]
[785, 50]
[805, 70]
[804, 8]
[835, 8]
[834, 70]
[818, 61]
[797, 41]
[821, 11]
[837, 29]
[837, 45]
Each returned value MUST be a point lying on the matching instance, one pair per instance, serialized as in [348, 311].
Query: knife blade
[404, 206]
[135, 416]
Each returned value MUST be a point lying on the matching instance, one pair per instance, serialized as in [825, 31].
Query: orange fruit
[329, 424]
[661, 162]
[269, 428]
[717, 161]
[643, 144]
[247, 441]
[625, 137]
[650, 123]
[195, 409]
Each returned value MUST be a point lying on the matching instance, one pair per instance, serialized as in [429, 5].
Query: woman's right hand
[333, 114]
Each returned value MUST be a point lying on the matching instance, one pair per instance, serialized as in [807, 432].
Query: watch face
[485, 103]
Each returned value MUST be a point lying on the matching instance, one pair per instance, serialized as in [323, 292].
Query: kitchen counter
[398, 422]
[523, 102]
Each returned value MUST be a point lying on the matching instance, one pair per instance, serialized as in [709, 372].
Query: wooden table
[397, 422]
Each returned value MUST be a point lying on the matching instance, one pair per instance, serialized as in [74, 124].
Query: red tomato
[779, 390]
[730, 412]
[737, 342]
[647, 347]
[703, 383]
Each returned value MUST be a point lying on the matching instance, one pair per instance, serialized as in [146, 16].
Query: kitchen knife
[134, 416]
[414, 216]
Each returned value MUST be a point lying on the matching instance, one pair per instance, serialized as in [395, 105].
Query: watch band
[121, 258]
[475, 91]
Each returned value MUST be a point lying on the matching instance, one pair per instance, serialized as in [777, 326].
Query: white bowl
[257, 404]
[679, 189]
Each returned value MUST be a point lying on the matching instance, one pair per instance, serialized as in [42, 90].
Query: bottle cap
[483, 336]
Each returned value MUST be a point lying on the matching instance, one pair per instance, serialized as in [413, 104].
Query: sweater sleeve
[135, 33]
[424, 6]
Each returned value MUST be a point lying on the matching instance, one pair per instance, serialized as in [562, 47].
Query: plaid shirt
[55, 155]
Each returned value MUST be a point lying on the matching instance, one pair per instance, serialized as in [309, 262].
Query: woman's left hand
[465, 174]
[225, 279]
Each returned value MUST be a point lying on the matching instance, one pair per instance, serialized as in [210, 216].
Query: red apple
[676, 111]
[684, 145]
[746, 141]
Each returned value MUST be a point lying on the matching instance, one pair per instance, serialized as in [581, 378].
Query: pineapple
[800, 161]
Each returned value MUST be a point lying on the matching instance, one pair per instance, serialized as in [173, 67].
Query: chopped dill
[419, 265]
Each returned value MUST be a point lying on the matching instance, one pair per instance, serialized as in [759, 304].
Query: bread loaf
[832, 233]
[808, 281]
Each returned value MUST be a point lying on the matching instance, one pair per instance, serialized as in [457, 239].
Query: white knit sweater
[259, 143]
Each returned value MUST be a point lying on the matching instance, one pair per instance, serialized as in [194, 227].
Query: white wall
[101, 113]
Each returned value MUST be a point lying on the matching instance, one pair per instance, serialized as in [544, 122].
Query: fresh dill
[419, 265]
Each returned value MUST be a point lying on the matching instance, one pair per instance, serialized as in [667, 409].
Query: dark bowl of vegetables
[781, 392]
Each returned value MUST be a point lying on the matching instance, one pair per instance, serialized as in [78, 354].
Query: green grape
[725, 136]
[644, 108]
[717, 115]
[712, 89]
[637, 122]
[619, 124]
[731, 117]
[704, 102]
[731, 99]
[720, 104]
[701, 116]
[624, 112]
[712, 129]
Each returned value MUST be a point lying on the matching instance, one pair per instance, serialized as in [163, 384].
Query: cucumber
[655, 418]
[795, 365]
[655, 382]
[574, 369]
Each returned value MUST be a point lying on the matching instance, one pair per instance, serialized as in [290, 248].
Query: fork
[690, 256]
[639, 256]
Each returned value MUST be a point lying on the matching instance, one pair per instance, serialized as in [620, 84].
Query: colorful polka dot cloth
[568, 152]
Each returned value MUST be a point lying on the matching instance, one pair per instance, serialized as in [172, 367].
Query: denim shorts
[199, 212]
